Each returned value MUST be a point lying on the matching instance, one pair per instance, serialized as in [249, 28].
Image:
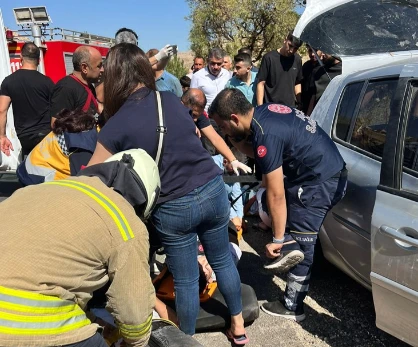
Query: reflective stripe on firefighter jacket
[73, 237]
[25, 313]
[113, 211]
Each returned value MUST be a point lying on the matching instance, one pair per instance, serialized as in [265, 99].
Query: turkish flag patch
[261, 151]
[277, 108]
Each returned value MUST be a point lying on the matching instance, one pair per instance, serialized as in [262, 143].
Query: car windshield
[364, 27]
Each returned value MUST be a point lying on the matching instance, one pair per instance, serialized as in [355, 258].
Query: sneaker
[285, 261]
[276, 308]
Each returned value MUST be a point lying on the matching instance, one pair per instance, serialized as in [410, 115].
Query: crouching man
[64, 239]
[305, 177]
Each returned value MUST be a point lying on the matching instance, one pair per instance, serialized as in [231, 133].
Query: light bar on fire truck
[31, 15]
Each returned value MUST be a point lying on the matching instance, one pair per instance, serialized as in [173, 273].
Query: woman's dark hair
[126, 68]
[73, 121]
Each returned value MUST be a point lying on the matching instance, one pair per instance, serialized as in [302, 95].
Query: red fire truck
[58, 48]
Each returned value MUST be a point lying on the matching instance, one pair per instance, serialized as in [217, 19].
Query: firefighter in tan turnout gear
[62, 240]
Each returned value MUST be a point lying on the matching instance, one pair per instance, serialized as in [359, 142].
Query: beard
[214, 73]
[237, 135]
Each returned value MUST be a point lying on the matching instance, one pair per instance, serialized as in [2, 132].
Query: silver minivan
[372, 115]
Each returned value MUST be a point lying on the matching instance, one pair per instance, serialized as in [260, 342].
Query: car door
[394, 229]
[359, 131]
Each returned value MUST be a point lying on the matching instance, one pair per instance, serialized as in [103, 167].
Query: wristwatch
[279, 241]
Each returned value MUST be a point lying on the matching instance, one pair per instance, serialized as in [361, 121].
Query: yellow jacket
[57, 156]
[61, 241]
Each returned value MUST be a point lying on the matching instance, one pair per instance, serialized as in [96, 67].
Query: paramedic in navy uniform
[305, 177]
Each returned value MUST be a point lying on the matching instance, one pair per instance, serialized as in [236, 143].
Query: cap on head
[145, 172]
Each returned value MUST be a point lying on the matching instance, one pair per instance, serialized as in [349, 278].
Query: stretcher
[214, 314]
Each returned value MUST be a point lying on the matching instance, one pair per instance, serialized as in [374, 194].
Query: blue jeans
[203, 212]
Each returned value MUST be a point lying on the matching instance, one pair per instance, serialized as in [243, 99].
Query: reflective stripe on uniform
[59, 316]
[135, 331]
[113, 211]
[303, 232]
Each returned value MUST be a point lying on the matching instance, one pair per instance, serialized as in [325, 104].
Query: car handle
[395, 234]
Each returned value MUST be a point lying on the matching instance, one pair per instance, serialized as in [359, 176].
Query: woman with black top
[193, 199]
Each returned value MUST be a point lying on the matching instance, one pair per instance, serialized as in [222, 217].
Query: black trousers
[29, 141]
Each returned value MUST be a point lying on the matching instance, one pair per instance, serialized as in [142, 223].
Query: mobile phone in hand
[174, 49]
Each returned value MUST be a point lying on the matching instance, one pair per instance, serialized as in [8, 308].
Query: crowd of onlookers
[104, 108]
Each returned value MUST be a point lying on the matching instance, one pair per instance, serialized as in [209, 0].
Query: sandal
[239, 340]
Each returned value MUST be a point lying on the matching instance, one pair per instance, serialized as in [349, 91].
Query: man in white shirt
[228, 64]
[213, 78]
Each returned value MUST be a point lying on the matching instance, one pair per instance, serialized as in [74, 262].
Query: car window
[346, 109]
[369, 132]
[410, 154]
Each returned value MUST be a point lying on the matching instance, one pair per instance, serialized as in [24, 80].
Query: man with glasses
[76, 90]
[213, 78]
[280, 75]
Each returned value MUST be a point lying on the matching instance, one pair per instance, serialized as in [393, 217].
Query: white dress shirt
[209, 84]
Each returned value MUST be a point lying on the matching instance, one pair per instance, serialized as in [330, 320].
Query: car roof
[403, 70]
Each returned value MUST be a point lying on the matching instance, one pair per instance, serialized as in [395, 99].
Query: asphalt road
[339, 311]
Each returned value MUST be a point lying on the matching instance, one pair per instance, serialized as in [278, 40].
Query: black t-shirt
[284, 136]
[320, 79]
[71, 95]
[280, 74]
[202, 122]
[307, 92]
[185, 163]
[30, 92]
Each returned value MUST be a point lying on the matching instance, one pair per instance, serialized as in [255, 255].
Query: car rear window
[363, 122]
[369, 132]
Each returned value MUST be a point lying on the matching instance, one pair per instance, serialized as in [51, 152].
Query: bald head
[88, 61]
[194, 99]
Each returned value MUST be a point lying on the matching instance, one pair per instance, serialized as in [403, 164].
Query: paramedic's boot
[278, 309]
[290, 255]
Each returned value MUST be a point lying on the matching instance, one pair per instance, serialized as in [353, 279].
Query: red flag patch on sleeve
[261, 151]
[277, 108]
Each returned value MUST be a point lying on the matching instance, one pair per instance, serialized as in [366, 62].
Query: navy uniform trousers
[307, 206]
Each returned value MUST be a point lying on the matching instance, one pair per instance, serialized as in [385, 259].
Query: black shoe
[276, 308]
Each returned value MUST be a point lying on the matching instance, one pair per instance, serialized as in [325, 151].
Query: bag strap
[161, 130]
[90, 96]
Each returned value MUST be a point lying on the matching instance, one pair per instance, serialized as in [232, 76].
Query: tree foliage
[176, 67]
[260, 25]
